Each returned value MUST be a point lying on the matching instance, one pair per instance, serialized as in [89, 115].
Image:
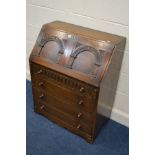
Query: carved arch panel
[85, 59]
[51, 48]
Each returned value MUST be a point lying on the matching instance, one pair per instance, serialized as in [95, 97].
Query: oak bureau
[74, 72]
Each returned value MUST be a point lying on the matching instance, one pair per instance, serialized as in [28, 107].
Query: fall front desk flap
[76, 51]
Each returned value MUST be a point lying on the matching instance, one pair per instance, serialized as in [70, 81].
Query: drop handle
[42, 107]
[78, 126]
[39, 72]
[40, 83]
[81, 89]
[41, 96]
[79, 115]
[80, 102]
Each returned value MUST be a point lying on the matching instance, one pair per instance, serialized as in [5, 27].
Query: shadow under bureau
[73, 71]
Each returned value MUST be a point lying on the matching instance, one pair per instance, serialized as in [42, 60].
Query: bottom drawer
[59, 116]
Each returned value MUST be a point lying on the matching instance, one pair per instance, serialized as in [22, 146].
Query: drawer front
[74, 111]
[58, 116]
[65, 94]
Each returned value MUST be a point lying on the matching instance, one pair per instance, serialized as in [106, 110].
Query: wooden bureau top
[80, 53]
[89, 33]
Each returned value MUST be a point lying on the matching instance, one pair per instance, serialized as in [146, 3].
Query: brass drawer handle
[79, 126]
[42, 107]
[39, 72]
[79, 115]
[80, 102]
[41, 84]
[41, 96]
[82, 89]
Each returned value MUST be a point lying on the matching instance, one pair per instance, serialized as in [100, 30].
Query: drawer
[64, 94]
[75, 112]
[58, 115]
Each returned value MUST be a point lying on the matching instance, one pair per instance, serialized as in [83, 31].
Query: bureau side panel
[108, 87]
